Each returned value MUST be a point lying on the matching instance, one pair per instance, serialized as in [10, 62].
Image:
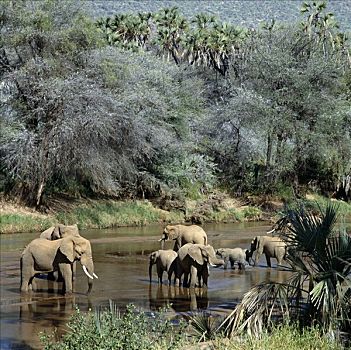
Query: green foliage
[289, 337]
[204, 326]
[93, 104]
[12, 223]
[112, 329]
[194, 174]
[109, 214]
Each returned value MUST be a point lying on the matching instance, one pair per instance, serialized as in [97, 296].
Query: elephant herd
[55, 253]
[192, 255]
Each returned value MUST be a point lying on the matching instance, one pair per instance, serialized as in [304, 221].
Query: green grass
[344, 208]
[282, 337]
[236, 215]
[109, 214]
[135, 329]
[11, 223]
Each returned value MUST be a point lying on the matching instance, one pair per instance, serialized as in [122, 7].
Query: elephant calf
[235, 255]
[165, 261]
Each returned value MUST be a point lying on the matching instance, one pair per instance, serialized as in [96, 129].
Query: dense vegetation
[158, 105]
[112, 329]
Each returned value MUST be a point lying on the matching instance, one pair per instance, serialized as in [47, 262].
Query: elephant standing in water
[44, 256]
[165, 261]
[272, 247]
[57, 232]
[183, 234]
[193, 261]
[234, 255]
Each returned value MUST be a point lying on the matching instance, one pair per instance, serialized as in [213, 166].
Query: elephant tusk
[87, 273]
[271, 231]
[94, 274]
[213, 265]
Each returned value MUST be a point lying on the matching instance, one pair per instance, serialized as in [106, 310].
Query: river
[121, 262]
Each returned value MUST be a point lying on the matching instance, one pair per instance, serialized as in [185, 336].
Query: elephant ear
[47, 234]
[255, 243]
[153, 256]
[196, 253]
[57, 233]
[67, 248]
[69, 231]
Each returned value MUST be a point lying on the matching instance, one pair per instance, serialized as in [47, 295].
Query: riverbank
[88, 213]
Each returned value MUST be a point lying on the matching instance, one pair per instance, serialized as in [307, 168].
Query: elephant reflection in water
[178, 298]
[37, 315]
[256, 277]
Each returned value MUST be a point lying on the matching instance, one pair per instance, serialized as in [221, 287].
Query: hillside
[243, 13]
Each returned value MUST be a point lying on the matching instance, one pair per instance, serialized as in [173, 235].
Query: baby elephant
[165, 260]
[235, 255]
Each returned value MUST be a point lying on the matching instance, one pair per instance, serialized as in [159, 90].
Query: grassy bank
[134, 329]
[104, 214]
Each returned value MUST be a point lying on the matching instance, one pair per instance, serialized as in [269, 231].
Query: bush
[110, 329]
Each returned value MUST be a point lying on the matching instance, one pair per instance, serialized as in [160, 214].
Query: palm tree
[319, 289]
[171, 26]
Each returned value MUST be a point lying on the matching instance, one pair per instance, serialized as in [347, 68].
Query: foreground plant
[319, 289]
[112, 329]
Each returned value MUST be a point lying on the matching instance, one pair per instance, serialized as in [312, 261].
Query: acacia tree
[282, 104]
[87, 117]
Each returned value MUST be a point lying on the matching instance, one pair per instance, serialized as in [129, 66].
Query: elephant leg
[172, 270]
[225, 262]
[241, 265]
[169, 277]
[205, 274]
[178, 273]
[232, 261]
[199, 278]
[268, 258]
[27, 273]
[193, 276]
[186, 279]
[74, 269]
[159, 272]
[257, 258]
[280, 258]
[66, 271]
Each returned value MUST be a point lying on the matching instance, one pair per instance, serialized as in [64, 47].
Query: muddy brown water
[121, 262]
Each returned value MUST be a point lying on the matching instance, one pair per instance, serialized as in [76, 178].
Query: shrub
[110, 329]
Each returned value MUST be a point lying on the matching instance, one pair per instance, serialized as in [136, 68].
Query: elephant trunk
[88, 268]
[216, 262]
[150, 271]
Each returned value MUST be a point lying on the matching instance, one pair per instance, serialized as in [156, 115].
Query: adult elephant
[271, 247]
[183, 234]
[165, 262]
[44, 256]
[233, 255]
[60, 231]
[193, 261]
